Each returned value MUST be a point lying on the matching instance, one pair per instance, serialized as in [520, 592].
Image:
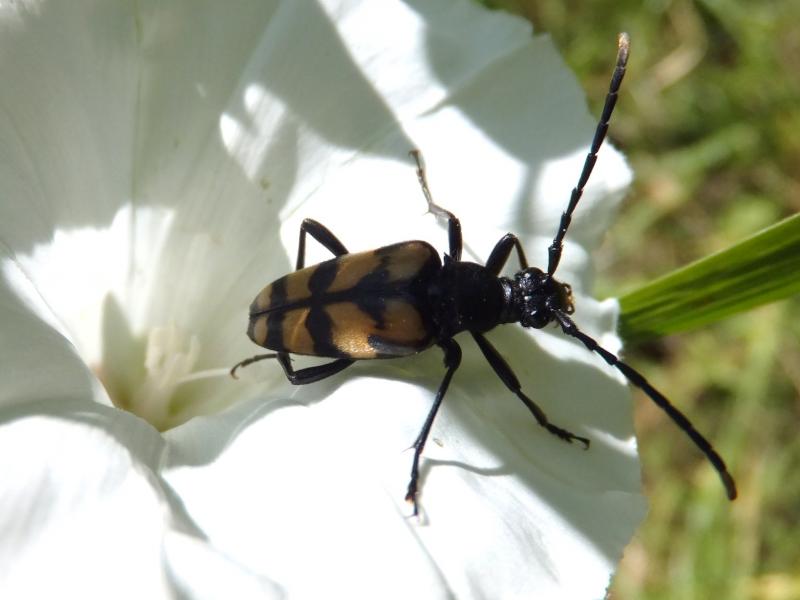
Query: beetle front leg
[510, 380]
[452, 359]
[501, 252]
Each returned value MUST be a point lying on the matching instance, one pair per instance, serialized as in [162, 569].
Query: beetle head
[538, 296]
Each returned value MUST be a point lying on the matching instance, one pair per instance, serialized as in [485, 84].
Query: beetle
[402, 299]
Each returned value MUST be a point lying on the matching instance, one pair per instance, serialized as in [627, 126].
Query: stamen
[169, 359]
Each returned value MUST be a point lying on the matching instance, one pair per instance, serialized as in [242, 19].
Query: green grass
[709, 118]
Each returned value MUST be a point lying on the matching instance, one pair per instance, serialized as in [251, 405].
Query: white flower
[157, 159]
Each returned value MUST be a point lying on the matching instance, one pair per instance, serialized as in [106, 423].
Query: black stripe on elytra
[412, 290]
[319, 326]
[364, 296]
[277, 297]
[323, 276]
[373, 306]
[369, 293]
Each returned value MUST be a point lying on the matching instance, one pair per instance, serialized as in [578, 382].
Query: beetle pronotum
[401, 299]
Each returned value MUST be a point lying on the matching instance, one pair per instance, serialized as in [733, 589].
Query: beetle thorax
[536, 296]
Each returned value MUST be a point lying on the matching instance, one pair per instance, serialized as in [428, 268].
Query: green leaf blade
[761, 269]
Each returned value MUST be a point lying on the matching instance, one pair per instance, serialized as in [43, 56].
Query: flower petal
[78, 502]
[308, 482]
[38, 363]
[230, 127]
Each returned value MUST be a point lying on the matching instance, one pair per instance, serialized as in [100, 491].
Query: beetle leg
[507, 376]
[453, 224]
[501, 252]
[320, 233]
[311, 374]
[250, 361]
[452, 359]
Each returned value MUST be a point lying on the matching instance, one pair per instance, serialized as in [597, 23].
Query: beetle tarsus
[249, 361]
[411, 496]
[567, 436]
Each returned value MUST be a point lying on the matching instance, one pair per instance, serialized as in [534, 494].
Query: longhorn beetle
[401, 299]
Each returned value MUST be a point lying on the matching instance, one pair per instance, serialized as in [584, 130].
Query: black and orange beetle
[402, 299]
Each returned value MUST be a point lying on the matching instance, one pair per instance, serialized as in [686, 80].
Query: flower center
[108, 290]
[147, 383]
[170, 355]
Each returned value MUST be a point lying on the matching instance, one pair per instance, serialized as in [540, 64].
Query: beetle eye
[537, 319]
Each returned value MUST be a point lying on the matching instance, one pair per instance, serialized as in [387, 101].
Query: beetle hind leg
[320, 233]
[300, 376]
[311, 374]
[249, 361]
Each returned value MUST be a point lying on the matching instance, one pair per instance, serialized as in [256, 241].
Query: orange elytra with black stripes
[402, 299]
[367, 305]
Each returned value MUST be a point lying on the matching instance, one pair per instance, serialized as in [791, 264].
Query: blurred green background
[709, 118]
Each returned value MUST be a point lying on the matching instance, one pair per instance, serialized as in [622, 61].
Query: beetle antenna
[637, 379]
[554, 252]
